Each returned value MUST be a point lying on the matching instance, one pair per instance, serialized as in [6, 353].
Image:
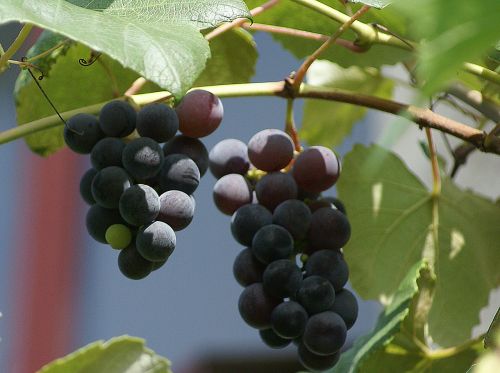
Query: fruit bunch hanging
[140, 192]
[292, 268]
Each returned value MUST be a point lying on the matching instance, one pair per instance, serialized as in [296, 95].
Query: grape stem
[423, 117]
[436, 177]
[301, 72]
[14, 47]
[290, 124]
[302, 34]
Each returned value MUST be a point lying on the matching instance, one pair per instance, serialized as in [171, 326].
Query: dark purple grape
[139, 205]
[316, 294]
[275, 188]
[294, 216]
[346, 306]
[86, 186]
[316, 169]
[329, 229]
[271, 243]
[176, 209]
[282, 278]
[337, 203]
[99, 219]
[316, 363]
[270, 150]
[132, 264]
[142, 158]
[191, 147]
[231, 192]
[325, 333]
[200, 113]
[159, 264]
[247, 269]
[329, 264]
[179, 172]
[82, 132]
[117, 119]
[108, 186]
[107, 152]
[271, 339]
[155, 241]
[255, 306]
[157, 121]
[289, 320]
[247, 220]
[229, 156]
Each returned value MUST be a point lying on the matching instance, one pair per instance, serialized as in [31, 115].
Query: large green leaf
[451, 38]
[201, 13]
[171, 54]
[290, 14]
[118, 355]
[69, 85]
[227, 67]
[394, 219]
[328, 123]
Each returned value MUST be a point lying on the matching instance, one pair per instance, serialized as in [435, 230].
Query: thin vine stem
[301, 72]
[290, 124]
[436, 176]
[301, 34]
[238, 22]
[423, 117]
[48, 51]
[14, 47]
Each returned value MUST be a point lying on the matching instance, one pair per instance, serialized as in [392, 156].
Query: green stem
[482, 72]
[290, 124]
[452, 351]
[23, 34]
[423, 117]
[367, 35]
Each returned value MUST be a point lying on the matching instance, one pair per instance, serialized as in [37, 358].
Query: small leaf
[493, 331]
[227, 67]
[118, 355]
[68, 84]
[393, 225]
[449, 41]
[329, 123]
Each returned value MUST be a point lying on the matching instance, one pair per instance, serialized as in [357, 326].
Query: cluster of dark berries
[292, 268]
[139, 191]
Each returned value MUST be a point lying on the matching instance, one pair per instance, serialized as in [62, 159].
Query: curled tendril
[93, 57]
[28, 66]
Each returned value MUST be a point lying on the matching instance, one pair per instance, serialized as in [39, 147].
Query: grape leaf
[69, 85]
[292, 15]
[118, 355]
[201, 13]
[170, 54]
[225, 66]
[328, 123]
[374, 3]
[450, 40]
[394, 218]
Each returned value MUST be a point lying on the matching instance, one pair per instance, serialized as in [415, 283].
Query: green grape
[118, 236]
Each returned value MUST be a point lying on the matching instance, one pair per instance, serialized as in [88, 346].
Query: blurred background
[60, 290]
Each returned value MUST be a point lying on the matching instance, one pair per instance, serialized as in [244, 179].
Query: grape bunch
[139, 191]
[293, 269]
